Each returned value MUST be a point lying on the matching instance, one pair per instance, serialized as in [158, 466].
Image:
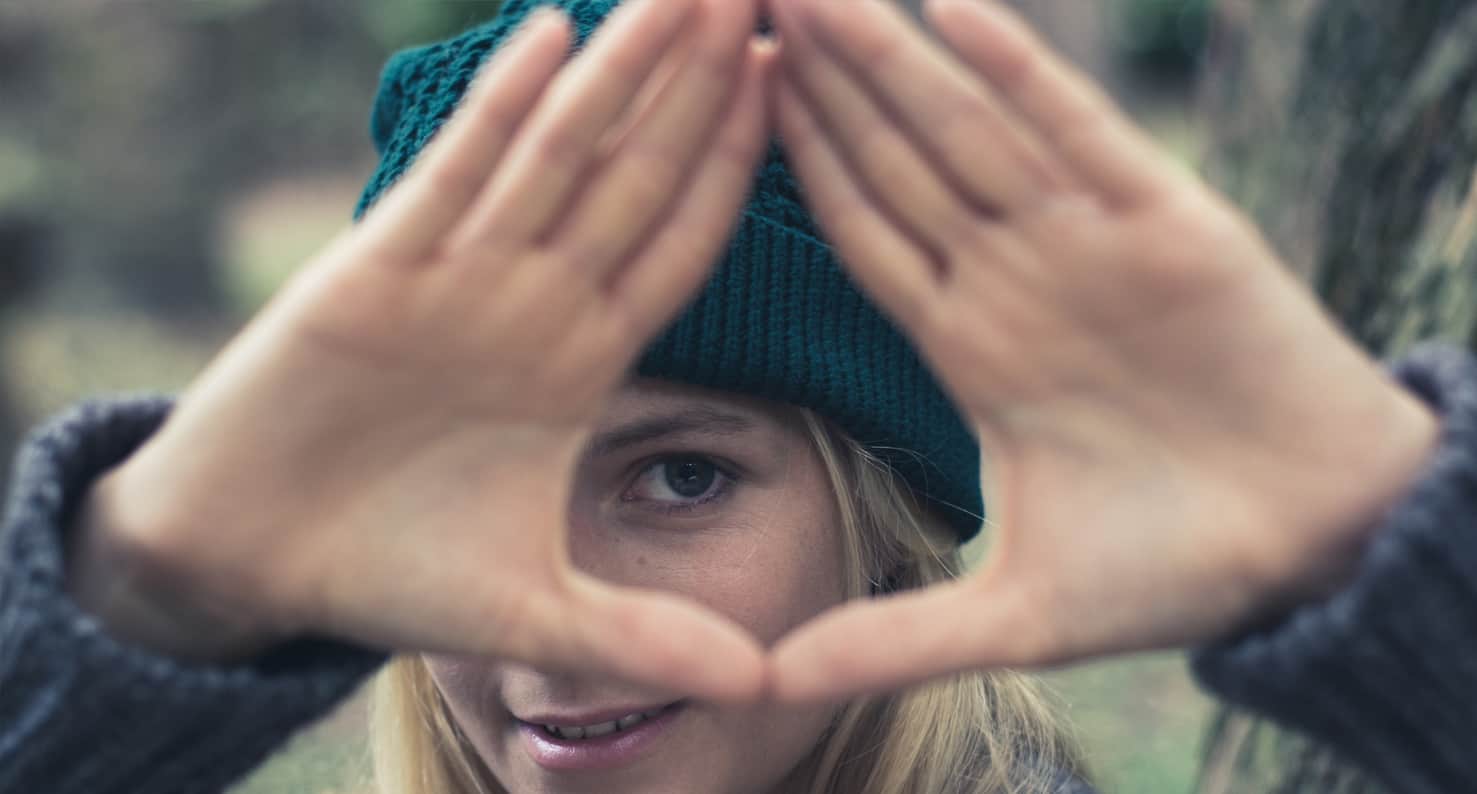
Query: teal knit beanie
[779, 319]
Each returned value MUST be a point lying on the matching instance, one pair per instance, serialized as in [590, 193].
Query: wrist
[140, 592]
[1383, 473]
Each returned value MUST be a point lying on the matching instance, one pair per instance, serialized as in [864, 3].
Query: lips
[581, 719]
[601, 739]
[587, 730]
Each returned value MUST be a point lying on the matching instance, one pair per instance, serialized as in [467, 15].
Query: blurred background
[164, 164]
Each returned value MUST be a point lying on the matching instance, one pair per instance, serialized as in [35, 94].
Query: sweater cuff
[1386, 670]
[83, 712]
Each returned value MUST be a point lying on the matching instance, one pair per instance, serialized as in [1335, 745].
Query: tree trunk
[1348, 129]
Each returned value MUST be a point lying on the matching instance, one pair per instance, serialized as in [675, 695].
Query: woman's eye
[678, 483]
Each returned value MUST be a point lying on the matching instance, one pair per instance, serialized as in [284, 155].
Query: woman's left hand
[1177, 440]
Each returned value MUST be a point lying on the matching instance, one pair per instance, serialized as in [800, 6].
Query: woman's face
[713, 496]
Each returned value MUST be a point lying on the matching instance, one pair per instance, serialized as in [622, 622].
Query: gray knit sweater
[1386, 671]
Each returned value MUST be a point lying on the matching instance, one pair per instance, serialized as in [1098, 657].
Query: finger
[552, 151]
[414, 217]
[637, 185]
[944, 629]
[665, 641]
[902, 276]
[682, 252]
[1106, 149]
[944, 109]
[894, 173]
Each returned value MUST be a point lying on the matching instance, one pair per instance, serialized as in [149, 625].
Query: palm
[1142, 378]
[1164, 415]
[405, 419]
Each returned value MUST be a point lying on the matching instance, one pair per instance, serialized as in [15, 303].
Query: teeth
[566, 733]
[601, 729]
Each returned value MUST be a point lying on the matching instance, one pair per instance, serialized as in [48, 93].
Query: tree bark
[1348, 128]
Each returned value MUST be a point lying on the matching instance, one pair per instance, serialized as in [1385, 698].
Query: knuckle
[651, 176]
[627, 65]
[966, 117]
[562, 295]
[983, 241]
[494, 121]
[1080, 129]
[955, 228]
[1014, 68]
[882, 47]
[560, 146]
[580, 260]
[453, 179]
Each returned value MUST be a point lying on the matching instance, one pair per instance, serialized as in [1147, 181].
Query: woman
[624, 561]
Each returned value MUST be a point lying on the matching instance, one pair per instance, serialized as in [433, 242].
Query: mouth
[588, 728]
[596, 740]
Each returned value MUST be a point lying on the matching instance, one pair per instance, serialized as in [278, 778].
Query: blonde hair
[973, 733]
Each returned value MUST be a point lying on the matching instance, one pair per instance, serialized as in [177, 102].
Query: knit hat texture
[779, 318]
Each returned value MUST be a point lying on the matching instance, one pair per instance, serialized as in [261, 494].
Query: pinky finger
[901, 275]
[681, 252]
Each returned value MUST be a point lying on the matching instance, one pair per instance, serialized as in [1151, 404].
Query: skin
[1141, 370]
[441, 366]
[762, 550]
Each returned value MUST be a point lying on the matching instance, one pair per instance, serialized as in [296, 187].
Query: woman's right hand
[386, 453]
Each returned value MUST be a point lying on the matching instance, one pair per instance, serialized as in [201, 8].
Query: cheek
[469, 687]
[767, 568]
[792, 575]
[795, 569]
[769, 558]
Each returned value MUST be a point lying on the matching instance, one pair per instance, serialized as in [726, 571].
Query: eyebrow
[696, 419]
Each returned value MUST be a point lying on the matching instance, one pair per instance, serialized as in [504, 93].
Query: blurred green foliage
[1165, 37]
[393, 22]
[396, 22]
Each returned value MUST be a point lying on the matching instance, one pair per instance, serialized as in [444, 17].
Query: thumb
[882, 644]
[666, 641]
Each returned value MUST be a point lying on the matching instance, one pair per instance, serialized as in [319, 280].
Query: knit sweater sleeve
[1386, 670]
[83, 712]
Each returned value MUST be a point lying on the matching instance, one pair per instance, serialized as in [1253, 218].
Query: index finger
[877, 645]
